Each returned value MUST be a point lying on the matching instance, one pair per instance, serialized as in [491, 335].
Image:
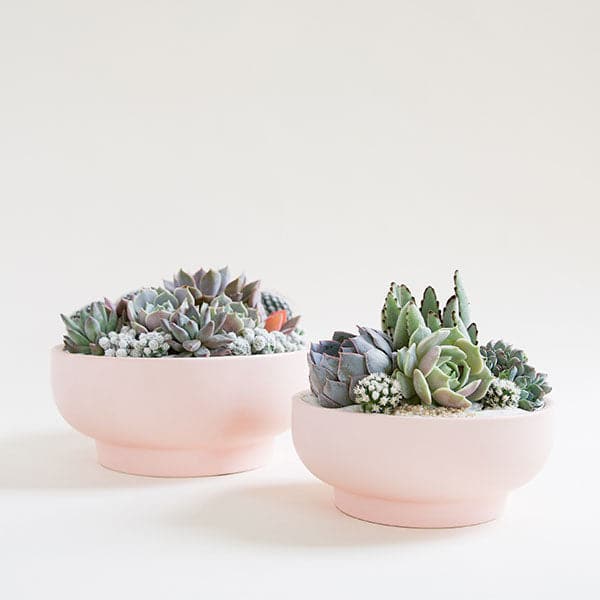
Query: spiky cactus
[377, 393]
[336, 366]
[456, 312]
[273, 302]
[506, 362]
[502, 393]
[86, 326]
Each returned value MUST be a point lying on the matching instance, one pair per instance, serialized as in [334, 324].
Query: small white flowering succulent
[502, 393]
[377, 393]
[129, 343]
[260, 341]
[241, 347]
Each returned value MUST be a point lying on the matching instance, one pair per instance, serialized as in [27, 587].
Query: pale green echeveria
[456, 313]
[441, 367]
[87, 325]
[147, 307]
[196, 332]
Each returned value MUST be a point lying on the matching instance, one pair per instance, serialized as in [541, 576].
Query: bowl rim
[478, 417]
[60, 349]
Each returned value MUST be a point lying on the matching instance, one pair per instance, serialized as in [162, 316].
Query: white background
[327, 148]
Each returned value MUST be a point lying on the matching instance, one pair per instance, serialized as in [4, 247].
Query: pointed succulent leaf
[429, 303]
[473, 332]
[414, 319]
[209, 284]
[390, 312]
[72, 325]
[458, 323]
[179, 333]
[92, 329]
[184, 278]
[410, 360]
[451, 306]
[433, 321]
[463, 300]
[419, 335]
[400, 336]
[404, 295]
[192, 345]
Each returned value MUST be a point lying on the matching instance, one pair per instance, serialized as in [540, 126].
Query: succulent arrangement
[423, 357]
[208, 313]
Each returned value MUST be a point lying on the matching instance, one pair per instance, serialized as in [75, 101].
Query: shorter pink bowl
[416, 471]
[178, 417]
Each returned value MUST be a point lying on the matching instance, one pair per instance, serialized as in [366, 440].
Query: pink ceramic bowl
[178, 417]
[421, 471]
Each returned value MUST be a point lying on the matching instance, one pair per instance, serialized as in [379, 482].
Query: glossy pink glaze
[178, 416]
[421, 471]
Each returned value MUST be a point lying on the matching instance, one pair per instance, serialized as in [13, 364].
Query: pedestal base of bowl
[420, 514]
[160, 462]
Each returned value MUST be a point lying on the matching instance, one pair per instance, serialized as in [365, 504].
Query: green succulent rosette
[442, 367]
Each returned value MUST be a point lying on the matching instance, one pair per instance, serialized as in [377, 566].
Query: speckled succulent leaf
[433, 321]
[429, 303]
[473, 332]
[404, 295]
[390, 312]
[451, 307]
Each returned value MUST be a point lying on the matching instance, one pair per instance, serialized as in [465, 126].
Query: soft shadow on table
[58, 460]
[294, 514]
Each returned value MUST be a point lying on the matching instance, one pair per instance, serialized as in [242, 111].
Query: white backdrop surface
[326, 148]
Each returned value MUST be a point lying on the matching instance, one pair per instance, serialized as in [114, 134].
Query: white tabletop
[71, 528]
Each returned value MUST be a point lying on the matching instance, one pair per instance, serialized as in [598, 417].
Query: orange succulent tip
[276, 320]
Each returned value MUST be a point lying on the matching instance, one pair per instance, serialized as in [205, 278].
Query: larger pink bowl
[421, 471]
[178, 416]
